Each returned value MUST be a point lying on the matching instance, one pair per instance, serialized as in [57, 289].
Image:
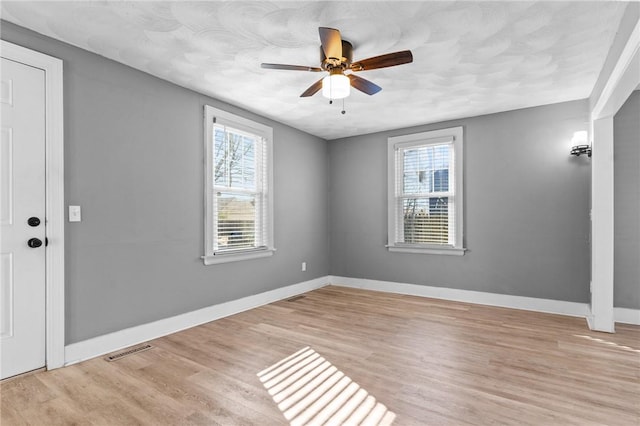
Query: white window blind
[425, 199]
[239, 189]
[239, 207]
[425, 191]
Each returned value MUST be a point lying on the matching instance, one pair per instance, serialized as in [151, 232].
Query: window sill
[449, 251]
[237, 256]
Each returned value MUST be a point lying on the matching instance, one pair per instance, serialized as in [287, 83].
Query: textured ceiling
[470, 58]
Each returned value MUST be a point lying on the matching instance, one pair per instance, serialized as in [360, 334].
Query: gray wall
[133, 161]
[526, 208]
[626, 155]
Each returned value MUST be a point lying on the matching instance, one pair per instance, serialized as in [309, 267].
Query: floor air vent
[294, 298]
[128, 352]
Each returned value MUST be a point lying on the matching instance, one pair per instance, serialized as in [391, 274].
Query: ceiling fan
[336, 58]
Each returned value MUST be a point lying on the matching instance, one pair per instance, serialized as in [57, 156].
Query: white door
[22, 239]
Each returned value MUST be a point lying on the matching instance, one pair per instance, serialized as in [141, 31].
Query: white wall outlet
[304, 266]
[75, 215]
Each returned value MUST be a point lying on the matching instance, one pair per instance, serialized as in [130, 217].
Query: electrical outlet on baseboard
[304, 266]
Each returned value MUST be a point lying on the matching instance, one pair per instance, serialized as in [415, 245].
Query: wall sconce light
[580, 146]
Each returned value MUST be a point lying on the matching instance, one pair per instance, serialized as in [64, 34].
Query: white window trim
[434, 136]
[266, 132]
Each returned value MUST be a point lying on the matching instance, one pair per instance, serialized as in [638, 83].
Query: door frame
[54, 194]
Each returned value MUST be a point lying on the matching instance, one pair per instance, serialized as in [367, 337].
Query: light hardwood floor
[431, 362]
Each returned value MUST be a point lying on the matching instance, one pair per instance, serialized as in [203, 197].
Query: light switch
[74, 214]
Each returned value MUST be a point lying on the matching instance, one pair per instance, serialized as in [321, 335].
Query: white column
[602, 226]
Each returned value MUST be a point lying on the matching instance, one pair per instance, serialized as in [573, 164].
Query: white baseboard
[492, 299]
[91, 348]
[626, 315]
[97, 346]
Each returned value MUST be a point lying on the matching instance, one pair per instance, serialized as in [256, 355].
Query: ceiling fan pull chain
[343, 111]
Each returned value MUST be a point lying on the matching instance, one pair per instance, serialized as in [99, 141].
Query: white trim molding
[447, 251]
[54, 164]
[624, 79]
[559, 307]
[107, 343]
[602, 244]
[627, 316]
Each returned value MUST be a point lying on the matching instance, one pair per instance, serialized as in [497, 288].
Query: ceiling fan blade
[364, 85]
[331, 42]
[290, 67]
[313, 89]
[383, 61]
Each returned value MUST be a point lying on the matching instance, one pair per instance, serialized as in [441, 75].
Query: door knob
[34, 243]
[33, 221]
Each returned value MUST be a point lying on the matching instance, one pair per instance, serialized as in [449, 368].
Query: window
[238, 185]
[425, 192]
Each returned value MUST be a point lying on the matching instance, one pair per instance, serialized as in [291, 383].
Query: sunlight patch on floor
[608, 343]
[309, 390]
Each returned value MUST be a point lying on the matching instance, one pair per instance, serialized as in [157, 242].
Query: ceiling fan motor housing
[342, 63]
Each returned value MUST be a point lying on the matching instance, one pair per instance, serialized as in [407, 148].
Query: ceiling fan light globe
[336, 86]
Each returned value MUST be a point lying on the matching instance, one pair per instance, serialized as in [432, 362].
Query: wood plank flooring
[430, 362]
